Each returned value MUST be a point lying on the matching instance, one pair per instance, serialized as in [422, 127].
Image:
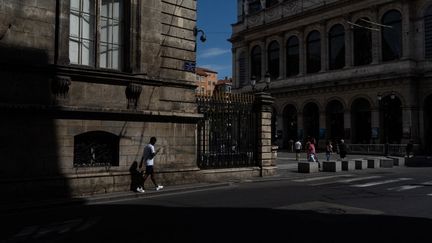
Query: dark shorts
[149, 169]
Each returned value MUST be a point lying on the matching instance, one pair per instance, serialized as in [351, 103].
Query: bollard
[360, 164]
[332, 166]
[307, 167]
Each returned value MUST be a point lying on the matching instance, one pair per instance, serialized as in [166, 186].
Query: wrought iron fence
[380, 149]
[227, 133]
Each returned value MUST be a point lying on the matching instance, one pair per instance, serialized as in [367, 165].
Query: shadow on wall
[29, 142]
[135, 223]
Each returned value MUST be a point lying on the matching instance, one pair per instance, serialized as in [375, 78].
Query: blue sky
[215, 17]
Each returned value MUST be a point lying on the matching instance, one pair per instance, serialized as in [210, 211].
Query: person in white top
[298, 147]
[148, 157]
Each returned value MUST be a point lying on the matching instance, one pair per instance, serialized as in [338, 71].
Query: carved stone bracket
[133, 92]
[60, 86]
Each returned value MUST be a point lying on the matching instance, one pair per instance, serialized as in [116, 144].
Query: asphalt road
[385, 205]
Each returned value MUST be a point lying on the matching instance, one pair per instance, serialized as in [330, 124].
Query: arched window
[428, 33]
[256, 62]
[391, 35]
[313, 52]
[292, 56]
[273, 59]
[337, 47]
[362, 43]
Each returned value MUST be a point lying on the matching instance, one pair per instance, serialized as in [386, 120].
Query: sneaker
[159, 188]
[139, 189]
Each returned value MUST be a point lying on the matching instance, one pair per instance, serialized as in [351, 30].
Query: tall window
[104, 25]
[242, 69]
[428, 33]
[362, 43]
[292, 56]
[313, 52]
[273, 59]
[256, 62]
[337, 47]
[392, 35]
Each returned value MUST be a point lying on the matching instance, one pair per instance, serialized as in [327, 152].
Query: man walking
[298, 147]
[148, 157]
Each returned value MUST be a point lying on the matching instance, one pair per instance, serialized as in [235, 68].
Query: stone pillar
[324, 45]
[349, 50]
[347, 126]
[282, 58]
[376, 39]
[375, 125]
[302, 54]
[407, 29]
[263, 109]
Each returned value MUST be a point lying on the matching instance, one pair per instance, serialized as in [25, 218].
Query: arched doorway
[289, 125]
[361, 121]
[391, 119]
[427, 121]
[311, 121]
[335, 120]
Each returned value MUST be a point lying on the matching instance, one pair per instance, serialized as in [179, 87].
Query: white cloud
[214, 52]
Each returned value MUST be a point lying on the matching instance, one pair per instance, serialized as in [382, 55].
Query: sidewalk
[286, 170]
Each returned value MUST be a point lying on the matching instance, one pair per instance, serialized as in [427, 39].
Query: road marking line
[359, 179]
[381, 182]
[321, 178]
[404, 188]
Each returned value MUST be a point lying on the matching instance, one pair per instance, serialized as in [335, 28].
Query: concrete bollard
[348, 164]
[360, 164]
[332, 166]
[307, 167]
[373, 162]
[386, 163]
[397, 161]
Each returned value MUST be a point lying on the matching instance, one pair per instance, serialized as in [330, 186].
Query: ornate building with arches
[358, 70]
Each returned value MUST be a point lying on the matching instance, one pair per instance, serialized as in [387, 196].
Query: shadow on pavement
[134, 223]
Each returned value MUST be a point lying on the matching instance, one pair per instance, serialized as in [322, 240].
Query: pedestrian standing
[409, 148]
[342, 149]
[329, 150]
[148, 157]
[298, 147]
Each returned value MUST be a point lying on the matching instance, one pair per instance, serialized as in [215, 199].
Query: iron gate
[227, 133]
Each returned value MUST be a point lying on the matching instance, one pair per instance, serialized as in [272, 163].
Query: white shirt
[148, 151]
[298, 145]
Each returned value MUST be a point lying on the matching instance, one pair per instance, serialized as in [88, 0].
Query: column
[347, 125]
[302, 53]
[376, 39]
[375, 125]
[263, 109]
[324, 47]
[349, 50]
[407, 30]
[282, 57]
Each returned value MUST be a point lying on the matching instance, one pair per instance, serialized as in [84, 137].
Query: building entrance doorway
[391, 119]
[289, 126]
[361, 121]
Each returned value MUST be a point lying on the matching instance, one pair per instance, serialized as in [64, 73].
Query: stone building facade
[85, 84]
[358, 70]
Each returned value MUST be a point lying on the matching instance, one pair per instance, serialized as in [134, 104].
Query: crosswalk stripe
[404, 188]
[381, 182]
[430, 194]
[321, 178]
[359, 179]
[346, 180]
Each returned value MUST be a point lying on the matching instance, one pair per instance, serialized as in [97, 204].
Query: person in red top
[311, 153]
